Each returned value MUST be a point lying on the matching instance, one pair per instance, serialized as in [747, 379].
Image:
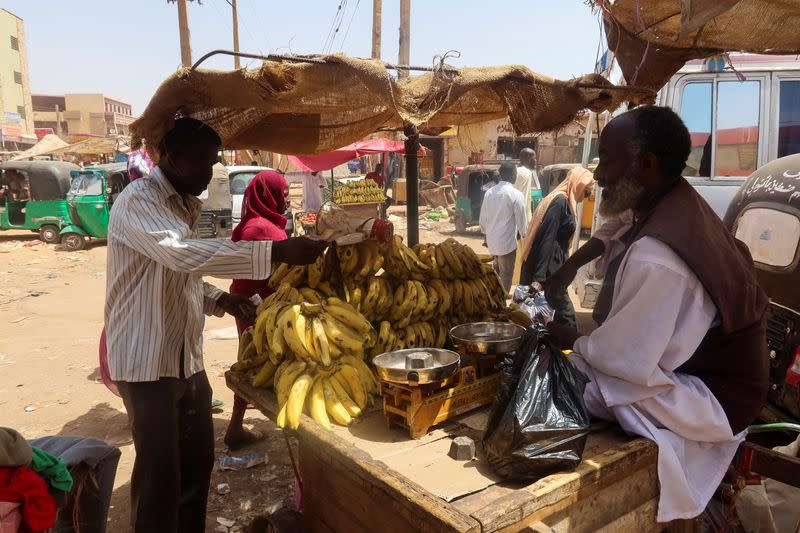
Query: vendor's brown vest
[732, 358]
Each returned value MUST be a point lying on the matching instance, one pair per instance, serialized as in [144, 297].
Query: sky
[109, 46]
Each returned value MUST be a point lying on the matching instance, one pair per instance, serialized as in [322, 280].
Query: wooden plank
[558, 491]
[608, 506]
[409, 501]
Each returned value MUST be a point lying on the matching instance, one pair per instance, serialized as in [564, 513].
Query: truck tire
[73, 242]
[49, 234]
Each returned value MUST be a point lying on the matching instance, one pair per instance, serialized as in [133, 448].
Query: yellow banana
[367, 256]
[348, 315]
[452, 261]
[422, 300]
[316, 404]
[296, 275]
[441, 335]
[350, 406]
[347, 340]
[280, 420]
[318, 331]
[315, 272]
[350, 257]
[334, 405]
[277, 276]
[354, 385]
[284, 383]
[293, 323]
[325, 288]
[245, 339]
[310, 295]
[364, 373]
[259, 332]
[264, 375]
[373, 294]
[247, 364]
[407, 307]
[444, 268]
[297, 399]
[399, 300]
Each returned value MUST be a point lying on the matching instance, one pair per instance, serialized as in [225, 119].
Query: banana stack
[310, 345]
[311, 354]
[358, 192]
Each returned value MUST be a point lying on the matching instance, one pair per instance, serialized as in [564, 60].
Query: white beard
[625, 194]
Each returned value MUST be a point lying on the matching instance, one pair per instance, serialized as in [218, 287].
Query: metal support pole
[412, 183]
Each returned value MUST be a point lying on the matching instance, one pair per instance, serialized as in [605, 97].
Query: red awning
[328, 160]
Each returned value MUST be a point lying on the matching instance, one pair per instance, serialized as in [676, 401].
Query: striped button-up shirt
[155, 294]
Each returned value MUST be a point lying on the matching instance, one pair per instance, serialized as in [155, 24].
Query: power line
[340, 15]
[347, 32]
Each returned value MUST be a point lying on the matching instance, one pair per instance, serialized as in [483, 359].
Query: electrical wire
[335, 25]
[347, 32]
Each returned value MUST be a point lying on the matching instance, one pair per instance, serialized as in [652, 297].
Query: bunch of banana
[516, 315]
[362, 260]
[360, 191]
[293, 275]
[402, 263]
[377, 297]
[497, 293]
[339, 393]
[428, 334]
[471, 299]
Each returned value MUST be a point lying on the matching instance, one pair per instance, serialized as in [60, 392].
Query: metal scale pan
[488, 337]
[417, 366]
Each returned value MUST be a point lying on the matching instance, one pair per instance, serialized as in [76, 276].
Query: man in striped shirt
[155, 301]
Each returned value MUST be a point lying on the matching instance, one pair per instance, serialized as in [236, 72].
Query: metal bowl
[393, 366]
[488, 337]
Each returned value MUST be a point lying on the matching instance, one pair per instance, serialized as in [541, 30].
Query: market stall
[372, 433]
[434, 323]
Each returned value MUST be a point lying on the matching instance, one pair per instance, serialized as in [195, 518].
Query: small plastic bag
[521, 293]
[539, 423]
[538, 309]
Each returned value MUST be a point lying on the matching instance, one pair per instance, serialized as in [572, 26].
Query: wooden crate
[344, 489]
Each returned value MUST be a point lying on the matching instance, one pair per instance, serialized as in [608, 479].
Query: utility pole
[236, 61]
[405, 36]
[183, 28]
[376, 28]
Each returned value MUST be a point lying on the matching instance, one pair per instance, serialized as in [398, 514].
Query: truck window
[738, 109]
[771, 235]
[696, 113]
[789, 118]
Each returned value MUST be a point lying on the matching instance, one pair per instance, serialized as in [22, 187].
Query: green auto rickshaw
[33, 197]
[90, 198]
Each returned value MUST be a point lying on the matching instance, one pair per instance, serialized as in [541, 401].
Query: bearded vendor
[680, 355]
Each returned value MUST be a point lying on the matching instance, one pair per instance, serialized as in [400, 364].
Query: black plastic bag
[539, 423]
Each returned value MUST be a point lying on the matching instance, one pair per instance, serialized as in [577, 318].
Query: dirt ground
[51, 308]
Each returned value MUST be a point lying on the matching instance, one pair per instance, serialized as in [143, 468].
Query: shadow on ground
[251, 492]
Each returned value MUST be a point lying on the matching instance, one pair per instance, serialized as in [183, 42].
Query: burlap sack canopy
[313, 107]
[654, 38]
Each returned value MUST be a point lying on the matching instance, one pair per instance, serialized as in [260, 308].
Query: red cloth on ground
[21, 484]
[261, 221]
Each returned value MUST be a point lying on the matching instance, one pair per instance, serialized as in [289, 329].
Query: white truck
[739, 119]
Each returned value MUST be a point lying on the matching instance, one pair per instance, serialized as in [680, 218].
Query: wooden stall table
[368, 477]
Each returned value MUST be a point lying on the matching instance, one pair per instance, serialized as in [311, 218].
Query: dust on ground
[51, 305]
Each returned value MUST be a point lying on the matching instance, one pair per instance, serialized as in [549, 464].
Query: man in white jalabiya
[680, 353]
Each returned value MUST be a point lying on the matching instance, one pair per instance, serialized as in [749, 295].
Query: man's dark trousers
[174, 439]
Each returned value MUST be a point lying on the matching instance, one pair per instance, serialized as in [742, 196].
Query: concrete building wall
[15, 95]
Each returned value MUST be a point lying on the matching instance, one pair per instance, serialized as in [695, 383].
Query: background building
[16, 122]
[82, 115]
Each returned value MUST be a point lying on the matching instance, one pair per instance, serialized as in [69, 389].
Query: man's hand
[297, 250]
[237, 305]
[564, 336]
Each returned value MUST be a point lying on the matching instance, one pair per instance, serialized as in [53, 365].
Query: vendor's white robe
[660, 312]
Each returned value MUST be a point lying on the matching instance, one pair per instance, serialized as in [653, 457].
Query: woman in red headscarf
[264, 200]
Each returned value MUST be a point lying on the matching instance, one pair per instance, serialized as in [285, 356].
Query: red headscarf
[262, 209]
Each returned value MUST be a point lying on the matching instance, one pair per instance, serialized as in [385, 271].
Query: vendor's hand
[238, 305]
[564, 336]
[297, 250]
